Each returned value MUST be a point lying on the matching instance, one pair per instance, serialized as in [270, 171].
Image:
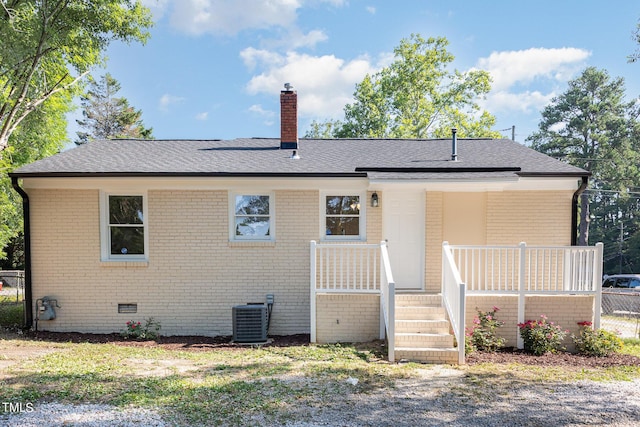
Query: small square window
[252, 217]
[343, 217]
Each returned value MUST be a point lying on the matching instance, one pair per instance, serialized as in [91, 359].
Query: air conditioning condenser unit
[250, 323]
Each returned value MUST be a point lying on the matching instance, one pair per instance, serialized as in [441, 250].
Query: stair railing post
[461, 325]
[312, 293]
[521, 291]
[391, 309]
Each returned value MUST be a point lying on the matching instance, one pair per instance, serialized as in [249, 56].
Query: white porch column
[597, 285]
[521, 290]
[312, 291]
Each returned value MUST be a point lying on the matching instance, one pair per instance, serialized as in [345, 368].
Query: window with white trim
[124, 227]
[343, 218]
[252, 217]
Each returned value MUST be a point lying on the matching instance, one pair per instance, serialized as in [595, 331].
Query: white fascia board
[300, 183]
[470, 186]
[547, 183]
[194, 183]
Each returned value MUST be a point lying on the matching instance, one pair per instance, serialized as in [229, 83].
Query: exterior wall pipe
[454, 145]
[28, 297]
[574, 210]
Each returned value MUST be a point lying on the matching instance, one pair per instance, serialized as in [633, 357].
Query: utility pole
[620, 247]
[513, 132]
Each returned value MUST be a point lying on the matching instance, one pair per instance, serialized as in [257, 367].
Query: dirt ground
[199, 343]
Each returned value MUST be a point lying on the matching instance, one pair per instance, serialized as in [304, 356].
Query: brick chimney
[288, 118]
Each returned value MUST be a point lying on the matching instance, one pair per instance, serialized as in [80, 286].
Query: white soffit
[194, 183]
[302, 183]
[470, 186]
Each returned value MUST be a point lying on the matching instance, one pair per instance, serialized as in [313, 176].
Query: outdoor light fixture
[374, 200]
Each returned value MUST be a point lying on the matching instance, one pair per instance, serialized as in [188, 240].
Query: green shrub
[135, 330]
[598, 343]
[541, 337]
[11, 312]
[482, 336]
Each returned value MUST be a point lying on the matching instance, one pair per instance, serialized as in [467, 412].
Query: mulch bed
[193, 343]
[511, 355]
[200, 343]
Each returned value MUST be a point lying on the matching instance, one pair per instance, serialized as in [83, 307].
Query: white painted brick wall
[194, 275]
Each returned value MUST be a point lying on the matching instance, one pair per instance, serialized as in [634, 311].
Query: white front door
[403, 226]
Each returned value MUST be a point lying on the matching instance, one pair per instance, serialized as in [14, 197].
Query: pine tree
[591, 126]
[107, 116]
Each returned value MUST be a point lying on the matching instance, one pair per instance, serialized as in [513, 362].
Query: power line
[513, 132]
[616, 192]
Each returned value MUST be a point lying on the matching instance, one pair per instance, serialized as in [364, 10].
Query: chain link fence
[11, 299]
[621, 313]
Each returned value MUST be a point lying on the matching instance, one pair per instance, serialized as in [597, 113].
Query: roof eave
[577, 174]
[187, 174]
[447, 170]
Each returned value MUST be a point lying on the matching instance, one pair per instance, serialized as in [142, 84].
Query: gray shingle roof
[382, 158]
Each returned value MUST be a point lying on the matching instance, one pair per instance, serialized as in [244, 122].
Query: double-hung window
[124, 227]
[252, 217]
[343, 219]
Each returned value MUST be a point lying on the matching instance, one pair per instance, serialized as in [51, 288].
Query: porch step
[421, 340]
[422, 331]
[436, 326]
[418, 299]
[427, 355]
[419, 312]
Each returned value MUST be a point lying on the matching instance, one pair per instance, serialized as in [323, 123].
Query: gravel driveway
[435, 396]
[444, 398]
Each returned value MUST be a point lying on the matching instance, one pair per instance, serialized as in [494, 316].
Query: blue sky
[215, 68]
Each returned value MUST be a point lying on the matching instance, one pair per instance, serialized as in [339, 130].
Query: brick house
[184, 230]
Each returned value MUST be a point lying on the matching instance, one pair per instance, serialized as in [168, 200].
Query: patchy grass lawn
[631, 346]
[262, 384]
[196, 388]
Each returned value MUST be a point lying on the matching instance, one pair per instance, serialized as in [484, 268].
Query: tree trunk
[4, 143]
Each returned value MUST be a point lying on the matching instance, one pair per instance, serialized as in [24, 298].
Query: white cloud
[524, 66]
[252, 57]
[324, 83]
[297, 39]
[558, 127]
[371, 9]
[337, 3]
[228, 17]
[515, 72]
[268, 115]
[525, 102]
[202, 116]
[157, 7]
[168, 100]
[257, 108]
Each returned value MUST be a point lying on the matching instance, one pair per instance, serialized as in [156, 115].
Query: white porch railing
[354, 268]
[528, 270]
[533, 269]
[454, 298]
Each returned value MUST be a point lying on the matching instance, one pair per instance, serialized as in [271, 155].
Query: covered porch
[353, 295]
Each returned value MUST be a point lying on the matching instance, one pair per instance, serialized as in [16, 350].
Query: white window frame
[105, 229]
[361, 237]
[232, 217]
